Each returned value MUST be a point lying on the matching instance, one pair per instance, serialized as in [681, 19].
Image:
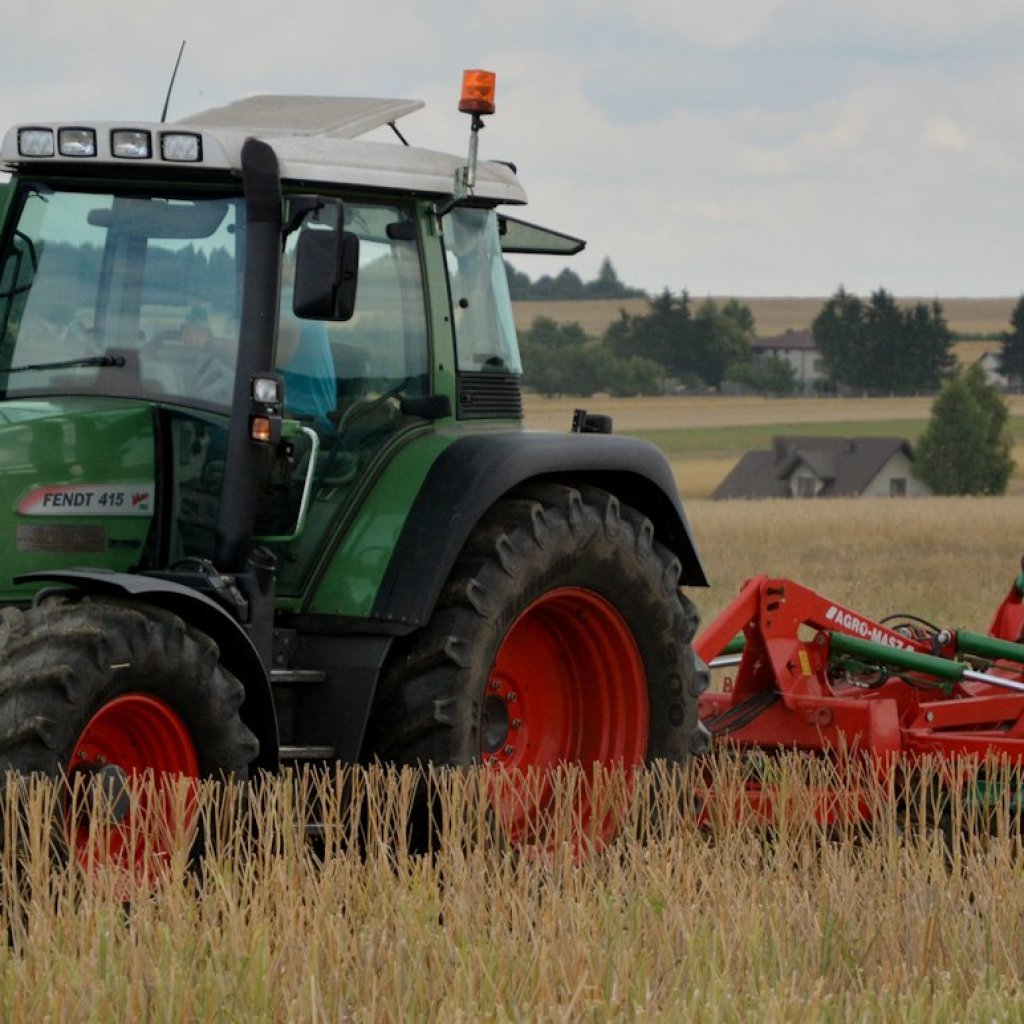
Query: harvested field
[673, 922]
[949, 559]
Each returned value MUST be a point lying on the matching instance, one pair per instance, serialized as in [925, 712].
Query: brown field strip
[772, 315]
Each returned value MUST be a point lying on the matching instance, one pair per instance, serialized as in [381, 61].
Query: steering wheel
[359, 410]
[364, 406]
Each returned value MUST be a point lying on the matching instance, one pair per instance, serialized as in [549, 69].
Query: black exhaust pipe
[257, 340]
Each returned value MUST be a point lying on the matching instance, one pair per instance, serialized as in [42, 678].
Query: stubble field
[672, 923]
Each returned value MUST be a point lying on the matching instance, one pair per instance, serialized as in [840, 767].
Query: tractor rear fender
[474, 472]
[237, 653]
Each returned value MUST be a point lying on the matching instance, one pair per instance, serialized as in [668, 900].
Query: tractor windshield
[126, 293]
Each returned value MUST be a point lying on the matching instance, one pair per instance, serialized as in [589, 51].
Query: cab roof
[317, 139]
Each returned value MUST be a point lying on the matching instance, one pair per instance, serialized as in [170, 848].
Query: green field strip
[736, 440]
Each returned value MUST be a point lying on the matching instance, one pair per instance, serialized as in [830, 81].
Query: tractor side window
[332, 369]
[485, 333]
[15, 282]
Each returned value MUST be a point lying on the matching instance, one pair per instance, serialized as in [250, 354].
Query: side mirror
[326, 271]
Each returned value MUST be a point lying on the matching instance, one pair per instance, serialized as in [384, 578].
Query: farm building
[798, 349]
[825, 467]
[990, 365]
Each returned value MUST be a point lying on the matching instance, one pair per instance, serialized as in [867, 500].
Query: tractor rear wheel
[127, 694]
[561, 638]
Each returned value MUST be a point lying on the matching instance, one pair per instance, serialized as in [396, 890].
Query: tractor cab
[140, 300]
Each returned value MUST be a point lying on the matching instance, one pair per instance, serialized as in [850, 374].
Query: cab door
[346, 381]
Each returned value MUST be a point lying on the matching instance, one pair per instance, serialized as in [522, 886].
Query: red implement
[806, 673]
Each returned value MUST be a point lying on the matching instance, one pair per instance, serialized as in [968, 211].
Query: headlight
[131, 143]
[181, 147]
[76, 142]
[266, 390]
[35, 142]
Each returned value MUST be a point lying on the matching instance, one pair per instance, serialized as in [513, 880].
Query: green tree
[551, 356]
[657, 334]
[686, 344]
[607, 285]
[966, 446]
[520, 286]
[559, 359]
[839, 334]
[633, 376]
[1011, 355]
[879, 346]
[722, 339]
[567, 284]
[776, 376]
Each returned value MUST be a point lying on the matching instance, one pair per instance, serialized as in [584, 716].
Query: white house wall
[899, 467]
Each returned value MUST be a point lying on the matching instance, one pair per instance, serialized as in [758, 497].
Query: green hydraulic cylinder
[896, 657]
[738, 642]
[913, 661]
[981, 645]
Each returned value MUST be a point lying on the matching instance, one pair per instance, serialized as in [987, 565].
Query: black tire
[547, 539]
[64, 661]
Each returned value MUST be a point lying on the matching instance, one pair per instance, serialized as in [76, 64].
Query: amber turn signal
[262, 429]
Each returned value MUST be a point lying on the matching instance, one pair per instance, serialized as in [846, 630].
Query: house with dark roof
[825, 467]
[797, 348]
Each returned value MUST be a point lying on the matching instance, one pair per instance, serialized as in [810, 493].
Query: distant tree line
[569, 285]
[874, 345]
[642, 353]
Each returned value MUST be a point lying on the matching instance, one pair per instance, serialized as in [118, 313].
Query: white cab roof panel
[339, 117]
[316, 139]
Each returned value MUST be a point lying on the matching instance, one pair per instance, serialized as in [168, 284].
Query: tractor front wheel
[127, 696]
[561, 638]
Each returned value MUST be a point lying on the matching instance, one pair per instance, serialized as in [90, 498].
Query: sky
[739, 147]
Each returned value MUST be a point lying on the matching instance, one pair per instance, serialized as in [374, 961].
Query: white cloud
[944, 133]
[747, 146]
[725, 24]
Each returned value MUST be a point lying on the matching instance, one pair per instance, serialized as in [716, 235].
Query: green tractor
[265, 493]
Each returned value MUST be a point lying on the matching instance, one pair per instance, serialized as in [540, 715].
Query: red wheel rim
[140, 747]
[567, 687]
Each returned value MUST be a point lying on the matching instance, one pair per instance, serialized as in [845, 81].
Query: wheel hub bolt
[495, 684]
[512, 697]
[509, 751]
[517, 723]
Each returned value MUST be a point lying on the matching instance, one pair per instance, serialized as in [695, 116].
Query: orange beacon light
[477, 92]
